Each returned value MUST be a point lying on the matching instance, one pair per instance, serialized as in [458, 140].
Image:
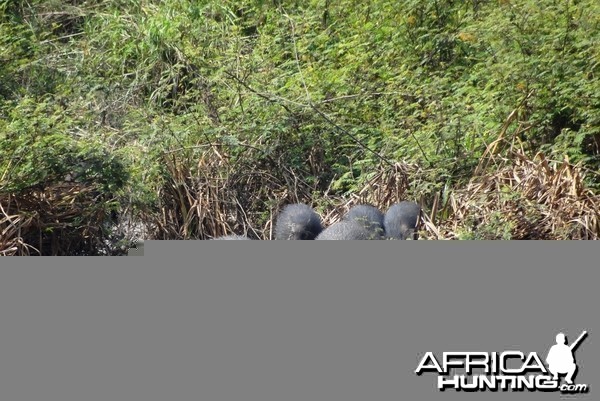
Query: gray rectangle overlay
[250, 320]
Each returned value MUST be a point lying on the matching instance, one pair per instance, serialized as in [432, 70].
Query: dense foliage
[131, 95]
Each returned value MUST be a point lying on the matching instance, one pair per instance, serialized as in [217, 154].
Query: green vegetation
[202, 117]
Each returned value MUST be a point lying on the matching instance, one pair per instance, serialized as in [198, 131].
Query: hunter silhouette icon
[560, 357]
